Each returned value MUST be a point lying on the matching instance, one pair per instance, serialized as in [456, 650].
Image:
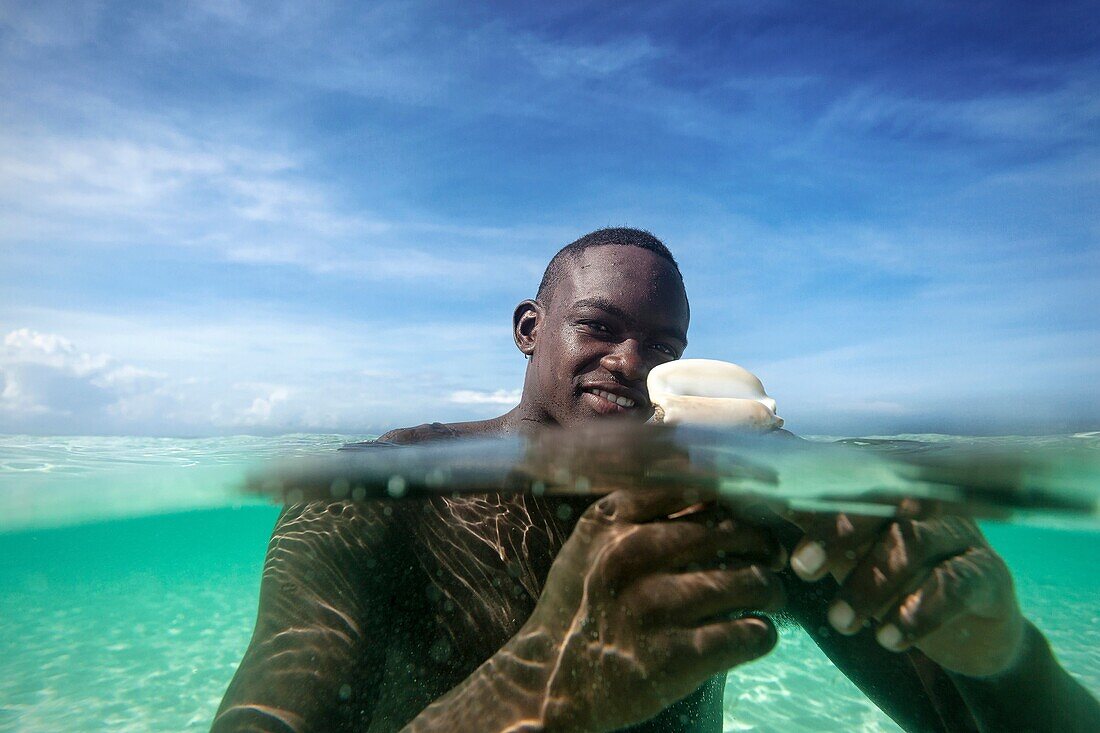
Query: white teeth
[617, 399]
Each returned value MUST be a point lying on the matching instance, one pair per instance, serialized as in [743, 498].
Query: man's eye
[665, 349]
[596, 326]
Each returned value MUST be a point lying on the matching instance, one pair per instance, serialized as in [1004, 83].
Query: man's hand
[924, 581]
[640, 609]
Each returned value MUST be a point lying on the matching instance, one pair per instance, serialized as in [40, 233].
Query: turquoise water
[129, 572]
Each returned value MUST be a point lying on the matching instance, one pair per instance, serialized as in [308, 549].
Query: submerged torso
[370, 611]
[471, 572]
[474, 569]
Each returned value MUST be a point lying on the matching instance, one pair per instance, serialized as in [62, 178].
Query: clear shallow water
[56, 481]
[129, 576]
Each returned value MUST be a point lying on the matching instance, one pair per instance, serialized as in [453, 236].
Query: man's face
[618, 312]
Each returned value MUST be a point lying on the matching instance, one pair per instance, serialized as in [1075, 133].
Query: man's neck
[523, 419]
[526, 418]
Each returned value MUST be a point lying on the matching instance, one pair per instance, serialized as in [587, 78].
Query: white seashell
[710, 392]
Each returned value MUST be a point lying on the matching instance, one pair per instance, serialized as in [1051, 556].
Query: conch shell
[710, 392]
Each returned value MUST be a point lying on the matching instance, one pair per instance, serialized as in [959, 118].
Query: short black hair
[621, 236]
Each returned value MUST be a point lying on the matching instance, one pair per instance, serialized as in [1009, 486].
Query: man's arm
[317, 654]
[1035, 694]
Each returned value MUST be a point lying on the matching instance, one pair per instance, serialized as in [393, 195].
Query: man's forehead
[629, 275]
[617, 265]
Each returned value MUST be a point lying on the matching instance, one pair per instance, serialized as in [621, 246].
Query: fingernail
[841, 616]
[808, 560]
[889, 637]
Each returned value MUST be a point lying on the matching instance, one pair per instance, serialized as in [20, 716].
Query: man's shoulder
[430, 432]
[426, 433]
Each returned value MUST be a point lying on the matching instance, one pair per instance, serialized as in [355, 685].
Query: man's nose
[627, 360]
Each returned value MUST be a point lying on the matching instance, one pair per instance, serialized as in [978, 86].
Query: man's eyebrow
[606, 305]
[603, 304]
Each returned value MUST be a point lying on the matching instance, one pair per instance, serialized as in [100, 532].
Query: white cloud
[131, 180]
[49, 25]
[25, 345]
[1060, 111]
[259, 412]
[379, 263]
[240, 369]
[50, 383]
[475, 397]
[131, 168]
[556, 59]
[45, 374]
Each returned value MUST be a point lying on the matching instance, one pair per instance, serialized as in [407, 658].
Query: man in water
[522, 613]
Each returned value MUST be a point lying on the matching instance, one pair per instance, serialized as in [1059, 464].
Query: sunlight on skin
[635, 615]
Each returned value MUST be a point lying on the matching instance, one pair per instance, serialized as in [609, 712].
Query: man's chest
[477, 566]
[480, 563]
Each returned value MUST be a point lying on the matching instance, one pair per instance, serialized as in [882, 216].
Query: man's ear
[525, 325]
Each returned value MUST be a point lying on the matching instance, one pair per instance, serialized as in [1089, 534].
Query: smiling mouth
[619, 400]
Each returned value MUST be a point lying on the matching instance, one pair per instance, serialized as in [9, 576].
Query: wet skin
[487, 613]
[619, 313]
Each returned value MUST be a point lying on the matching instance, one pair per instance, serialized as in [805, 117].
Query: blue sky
[226, 217]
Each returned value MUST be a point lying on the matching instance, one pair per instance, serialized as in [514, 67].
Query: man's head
[610, 307]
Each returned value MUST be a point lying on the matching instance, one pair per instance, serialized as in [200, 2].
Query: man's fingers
[703, 542]
[903, 555]
[690, 598]
[719, 646]
[643, 505]
[964, 616]
[951, 589]
[835, 542]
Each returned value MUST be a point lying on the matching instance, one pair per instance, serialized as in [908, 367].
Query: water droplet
[440, 650]
[340, 488]
[396, 486]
